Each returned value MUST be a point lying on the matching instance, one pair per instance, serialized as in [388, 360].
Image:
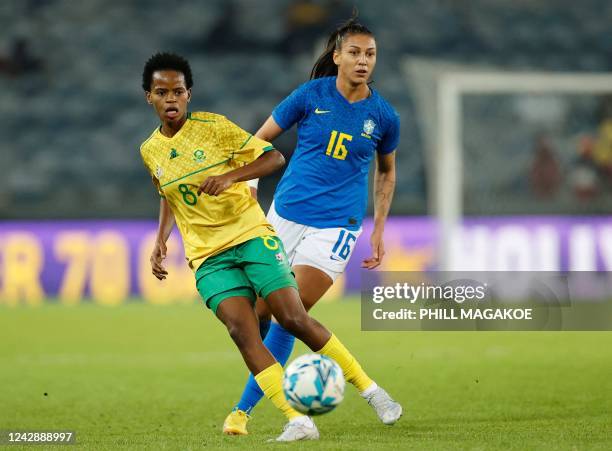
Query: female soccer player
[199, 163]
[320, 201]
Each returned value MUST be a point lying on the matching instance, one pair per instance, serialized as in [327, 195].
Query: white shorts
[326, 249]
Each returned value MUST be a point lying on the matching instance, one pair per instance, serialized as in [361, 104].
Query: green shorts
[254, 268]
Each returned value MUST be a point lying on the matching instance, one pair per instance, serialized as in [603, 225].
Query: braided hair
[325, 66]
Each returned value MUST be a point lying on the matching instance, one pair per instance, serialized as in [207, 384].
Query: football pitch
[148, 377]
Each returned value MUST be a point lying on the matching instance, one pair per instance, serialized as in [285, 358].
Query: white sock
[368, 391]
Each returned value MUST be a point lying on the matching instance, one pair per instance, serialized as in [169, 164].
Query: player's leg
[237, 313]
[280, 343]
[315, 275]
[264, 316]
[227, 292]
[287, 308]
[319, 257]
[312, 284]
[271, 278]
[276, 338]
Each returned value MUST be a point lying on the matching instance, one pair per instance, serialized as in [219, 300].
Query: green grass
[144, 377]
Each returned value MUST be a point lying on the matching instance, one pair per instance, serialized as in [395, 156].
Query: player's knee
[297, 325]
[238, 334]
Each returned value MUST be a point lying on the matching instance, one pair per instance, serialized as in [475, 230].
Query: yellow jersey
[206, 145]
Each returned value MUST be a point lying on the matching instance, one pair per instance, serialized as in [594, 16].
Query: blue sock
[264, 327]
[280, 343]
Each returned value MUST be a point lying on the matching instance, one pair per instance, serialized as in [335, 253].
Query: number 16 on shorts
[344, 245]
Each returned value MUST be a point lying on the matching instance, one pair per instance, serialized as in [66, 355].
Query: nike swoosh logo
[318, 111]
[331, 257]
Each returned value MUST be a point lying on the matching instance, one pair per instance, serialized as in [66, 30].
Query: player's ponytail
[325, 66]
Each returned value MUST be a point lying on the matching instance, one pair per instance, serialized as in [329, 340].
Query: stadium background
[78, 211]
[74, 117]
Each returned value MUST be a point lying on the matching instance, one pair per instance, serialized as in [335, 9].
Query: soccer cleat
[301, 429]
[386, 408]
[235, 423]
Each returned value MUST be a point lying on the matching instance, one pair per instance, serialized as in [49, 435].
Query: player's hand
[378, 250]
[215, 185]
[157, 256]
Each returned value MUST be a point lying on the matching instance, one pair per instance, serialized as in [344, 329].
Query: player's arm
[384, 185]
[166, 223]
[268, 162]
[269, 131]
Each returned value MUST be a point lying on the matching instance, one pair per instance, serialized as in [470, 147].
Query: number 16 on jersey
[336, 148]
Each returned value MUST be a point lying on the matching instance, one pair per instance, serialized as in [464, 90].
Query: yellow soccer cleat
[235, 423]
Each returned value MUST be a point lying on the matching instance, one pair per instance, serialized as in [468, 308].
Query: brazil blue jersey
[326, 182]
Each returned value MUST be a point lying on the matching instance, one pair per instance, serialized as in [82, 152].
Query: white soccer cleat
[385, 407]
[299, 429]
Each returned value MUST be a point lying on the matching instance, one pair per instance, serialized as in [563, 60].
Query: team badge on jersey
[198, 156]
[368, 127]
[280, 257]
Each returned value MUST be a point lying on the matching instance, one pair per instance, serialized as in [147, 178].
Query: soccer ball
[313, 384]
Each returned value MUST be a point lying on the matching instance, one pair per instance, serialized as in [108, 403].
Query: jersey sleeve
[292, 109]
[390, 139]
[239, 144]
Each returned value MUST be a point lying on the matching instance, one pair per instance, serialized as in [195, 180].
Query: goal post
[446, 88]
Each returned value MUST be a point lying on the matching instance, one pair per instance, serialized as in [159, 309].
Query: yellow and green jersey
[206, 145]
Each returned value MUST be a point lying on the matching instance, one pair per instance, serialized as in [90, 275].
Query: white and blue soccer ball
[313, 384]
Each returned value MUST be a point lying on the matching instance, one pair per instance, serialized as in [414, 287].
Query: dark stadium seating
[73, 126]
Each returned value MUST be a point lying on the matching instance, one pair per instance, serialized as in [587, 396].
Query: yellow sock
[270, 381]
[350, 366]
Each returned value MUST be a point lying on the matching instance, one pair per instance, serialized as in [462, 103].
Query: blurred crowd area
[537, 154]
[73, 112]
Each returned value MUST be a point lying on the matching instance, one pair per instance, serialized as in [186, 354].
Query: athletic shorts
[254, 268]
[328, 250]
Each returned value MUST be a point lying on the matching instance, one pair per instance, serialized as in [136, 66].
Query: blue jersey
[326, 182]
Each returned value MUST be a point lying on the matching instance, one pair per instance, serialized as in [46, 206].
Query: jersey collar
[344, 99]
[177, 134]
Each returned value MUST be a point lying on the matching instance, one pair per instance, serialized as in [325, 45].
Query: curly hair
[166, 61]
